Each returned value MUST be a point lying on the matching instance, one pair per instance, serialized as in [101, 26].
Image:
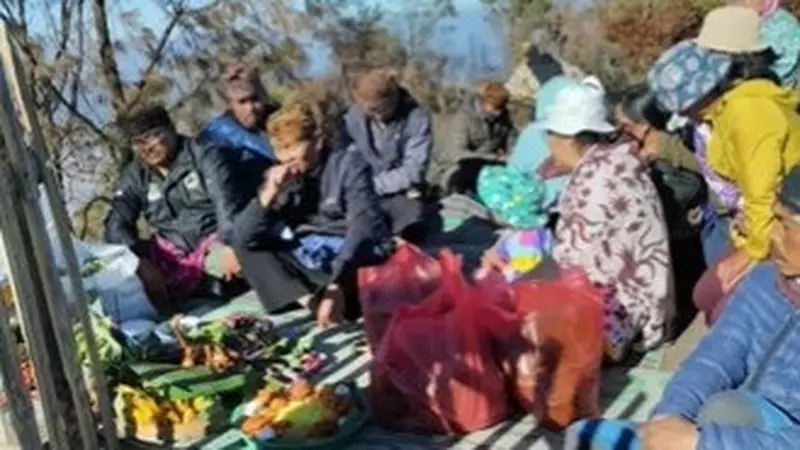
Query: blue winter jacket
[226, 132]
[754, 346]
[248, 153]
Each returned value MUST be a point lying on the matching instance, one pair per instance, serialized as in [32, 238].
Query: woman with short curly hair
[316, 218]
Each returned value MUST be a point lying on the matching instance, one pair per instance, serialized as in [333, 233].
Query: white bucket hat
[731, 29]
[580, 108]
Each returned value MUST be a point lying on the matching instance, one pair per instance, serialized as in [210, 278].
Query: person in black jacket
[316, 220]
[186, 193]
[684, 194]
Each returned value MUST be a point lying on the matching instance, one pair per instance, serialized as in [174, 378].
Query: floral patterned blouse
[612, 227]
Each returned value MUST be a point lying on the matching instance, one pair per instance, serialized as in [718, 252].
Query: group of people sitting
[292, 200]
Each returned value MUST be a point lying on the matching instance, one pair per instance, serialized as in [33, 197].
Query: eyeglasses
[148, 138]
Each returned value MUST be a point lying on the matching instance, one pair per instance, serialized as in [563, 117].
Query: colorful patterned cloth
[183, 270]
[612, 227]
[514, 195]
[685, 74]
[523, 250]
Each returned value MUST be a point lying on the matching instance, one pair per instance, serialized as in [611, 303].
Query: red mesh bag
[436, 370]
[569, 321]
[407, 278]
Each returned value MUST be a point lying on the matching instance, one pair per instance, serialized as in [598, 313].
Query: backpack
[683, 194]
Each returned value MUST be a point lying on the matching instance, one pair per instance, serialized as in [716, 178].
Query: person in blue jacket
[393, 133]
[738, 390]
[241, 130]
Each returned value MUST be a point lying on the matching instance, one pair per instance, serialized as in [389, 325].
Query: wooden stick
[14, 69]
[23, 415]
[59, 317]
[39, 338]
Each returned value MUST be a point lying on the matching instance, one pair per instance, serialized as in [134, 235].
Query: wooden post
[15, 76]
[59, 317]
[18, 259]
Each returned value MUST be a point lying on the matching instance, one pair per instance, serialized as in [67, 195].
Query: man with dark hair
[186, 194]
[243, 125]
[393, 133]
[241, 130]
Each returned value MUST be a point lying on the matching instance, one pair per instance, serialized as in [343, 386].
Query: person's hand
[230, 264]
[153, 281]
[671, 433]
[329, 309]
[491, 260]
[274, 178]
[732, 269]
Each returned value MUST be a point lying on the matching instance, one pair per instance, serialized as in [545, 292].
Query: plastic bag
[407, 278]
[569, 313]
[109, 274]
[515, 339]
[436, 370]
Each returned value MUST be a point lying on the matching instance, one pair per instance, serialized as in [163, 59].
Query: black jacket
[198, 196]
[337, 198]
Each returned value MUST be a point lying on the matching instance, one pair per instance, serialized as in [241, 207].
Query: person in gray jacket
[392, 131]
[482, 133]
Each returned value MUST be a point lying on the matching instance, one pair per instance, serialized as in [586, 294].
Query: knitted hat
[685, 74]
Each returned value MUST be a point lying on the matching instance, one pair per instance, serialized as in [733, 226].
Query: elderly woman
[316, 219]
[611, 223]
[737, 389]
[754, 141]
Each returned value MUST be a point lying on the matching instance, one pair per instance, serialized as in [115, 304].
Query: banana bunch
[145, 410]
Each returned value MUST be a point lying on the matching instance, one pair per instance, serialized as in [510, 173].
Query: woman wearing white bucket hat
[611, 221]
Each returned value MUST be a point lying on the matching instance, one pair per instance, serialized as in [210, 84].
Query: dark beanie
[789, 192]
[145, 120]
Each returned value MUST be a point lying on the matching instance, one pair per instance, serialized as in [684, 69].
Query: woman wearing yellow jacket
[755, 139]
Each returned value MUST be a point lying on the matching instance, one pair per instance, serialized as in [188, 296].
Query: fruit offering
[151, 419]
[224, 344]
[299, 411]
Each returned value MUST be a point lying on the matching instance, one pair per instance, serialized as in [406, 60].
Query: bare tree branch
[108, 61]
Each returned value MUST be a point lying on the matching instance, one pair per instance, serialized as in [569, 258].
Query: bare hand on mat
[329, 308]
[491, 260]
[230, 264]
[671, 433]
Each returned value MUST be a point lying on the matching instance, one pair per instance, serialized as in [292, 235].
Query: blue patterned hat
[686, 73]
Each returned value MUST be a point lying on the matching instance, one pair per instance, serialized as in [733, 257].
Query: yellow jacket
[755, 141]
